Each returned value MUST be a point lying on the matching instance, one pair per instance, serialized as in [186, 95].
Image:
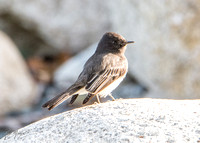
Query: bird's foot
[98, 98]
[113, 99]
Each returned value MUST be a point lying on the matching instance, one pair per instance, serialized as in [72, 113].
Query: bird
[101, 74]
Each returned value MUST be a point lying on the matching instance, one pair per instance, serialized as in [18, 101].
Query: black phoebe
[101, 74]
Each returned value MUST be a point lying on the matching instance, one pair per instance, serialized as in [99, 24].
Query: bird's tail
[56, 100]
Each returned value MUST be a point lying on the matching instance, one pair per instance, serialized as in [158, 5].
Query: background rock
[61, 24]
[18, 89]
[166, 57]
[120, 121]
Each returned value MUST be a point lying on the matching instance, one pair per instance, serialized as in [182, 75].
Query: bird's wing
[102, 79]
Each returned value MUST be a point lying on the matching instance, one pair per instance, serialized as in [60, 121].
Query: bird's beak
[129, 42]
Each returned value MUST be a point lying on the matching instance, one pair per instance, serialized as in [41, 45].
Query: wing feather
[100, 81]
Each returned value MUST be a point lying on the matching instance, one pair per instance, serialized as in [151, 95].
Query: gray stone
[17, 88]
[166, 54]
[131, 120]
[68, 24]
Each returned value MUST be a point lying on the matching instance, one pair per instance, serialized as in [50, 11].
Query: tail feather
[62, 97]
[56, 101]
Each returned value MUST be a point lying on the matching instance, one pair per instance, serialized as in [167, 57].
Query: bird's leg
[98, 99]
[113, 99]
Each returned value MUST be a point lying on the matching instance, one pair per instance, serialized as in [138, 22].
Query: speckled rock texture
[131, 120]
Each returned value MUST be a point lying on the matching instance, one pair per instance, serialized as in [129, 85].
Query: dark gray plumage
[101, 74]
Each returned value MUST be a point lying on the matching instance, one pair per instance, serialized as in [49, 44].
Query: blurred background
[44, 44]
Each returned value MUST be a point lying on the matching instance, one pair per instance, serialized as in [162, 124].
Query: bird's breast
[111, 87]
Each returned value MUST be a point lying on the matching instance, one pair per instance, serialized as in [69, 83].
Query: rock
[119, 121]
[64, 24]
[18, 89]
[166, 54]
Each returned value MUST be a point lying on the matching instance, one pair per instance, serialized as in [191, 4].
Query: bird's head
[113, 42]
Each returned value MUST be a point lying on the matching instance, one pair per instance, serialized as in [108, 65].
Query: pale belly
[110, 88]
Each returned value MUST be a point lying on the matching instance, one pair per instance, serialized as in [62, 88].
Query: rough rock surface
[17, 88]
[132, 120]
